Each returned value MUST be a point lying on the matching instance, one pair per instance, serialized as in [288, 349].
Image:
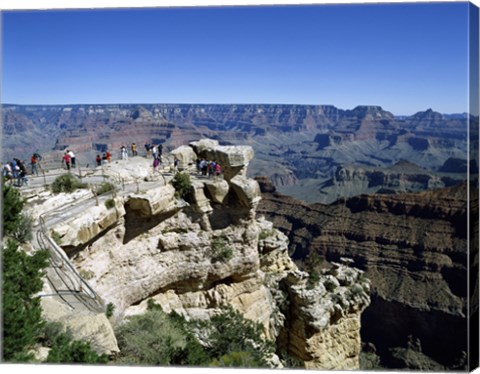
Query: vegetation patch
[264, 234]
[104, 188]
[56, 237]
[183, 185]
[313, 264]
[66, 183]
[158, 338]
[220, 251]
[110, 203]
[110, 309]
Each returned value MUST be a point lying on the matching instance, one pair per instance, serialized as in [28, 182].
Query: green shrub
[220, 252]
[155, 338]
[264, 234]
[56, 237]
[235, 359]
[110, 203]
[183, 185]
[23, 229]
[110, 309]
[66, 183]
[22, 314]
[104, 188]
[230, 332]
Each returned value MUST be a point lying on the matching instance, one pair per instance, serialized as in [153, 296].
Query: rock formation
[414, 249]
[299, 147]
[210, 250]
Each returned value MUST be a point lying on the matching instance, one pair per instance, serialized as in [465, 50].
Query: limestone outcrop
[208, 250]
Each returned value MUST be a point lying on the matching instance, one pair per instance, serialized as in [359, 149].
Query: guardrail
[75, 285]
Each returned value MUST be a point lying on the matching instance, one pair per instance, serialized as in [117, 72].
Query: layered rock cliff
[300, 147]
[209, 249]
[415, 250]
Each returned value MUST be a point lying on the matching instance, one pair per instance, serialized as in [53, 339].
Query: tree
[68, 351]
[22, 313]
[16, 224]
[12, 209]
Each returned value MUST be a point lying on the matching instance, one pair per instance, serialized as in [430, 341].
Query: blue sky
[404, 57]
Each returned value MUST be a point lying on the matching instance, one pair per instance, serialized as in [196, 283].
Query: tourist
[156, 163]
[66, 160]
[72, 158]
[22, 176]
[108, 156]
[34, 163]
[175, 165]
[124, 153]
[218, 169]
[7, 172]
[134, 149]
[99, 160]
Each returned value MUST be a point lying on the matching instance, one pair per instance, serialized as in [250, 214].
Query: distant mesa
[457, 165]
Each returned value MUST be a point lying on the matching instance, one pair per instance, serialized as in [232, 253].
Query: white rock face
[196, 257]
[153, 201]
[186, 156]
[81, 228]
[247, 191]
[217, 189]
[95, 329]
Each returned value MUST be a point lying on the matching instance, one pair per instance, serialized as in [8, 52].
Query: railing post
[94, 190]
[44, 178]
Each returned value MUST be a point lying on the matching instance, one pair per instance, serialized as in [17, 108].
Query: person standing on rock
[99, 160]
[7, 173]
[108, 155]
[34, 163]
[124, 153]
[134, 149]
[156, 163]
[218, 169]
[175, 165]
[72, 158]
[66, 160]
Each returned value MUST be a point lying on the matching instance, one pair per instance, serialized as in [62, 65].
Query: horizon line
[228, 104]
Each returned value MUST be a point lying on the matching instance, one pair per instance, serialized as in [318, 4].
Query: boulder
[201, 203]
[202, 145]
[185, 155]
[82, 227]
[153, 201]
[217, 190]
[247, 191]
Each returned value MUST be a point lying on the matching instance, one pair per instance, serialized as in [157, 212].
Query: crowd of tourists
[15, 171]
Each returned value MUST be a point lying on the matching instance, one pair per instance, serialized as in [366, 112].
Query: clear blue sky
[404, 57]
